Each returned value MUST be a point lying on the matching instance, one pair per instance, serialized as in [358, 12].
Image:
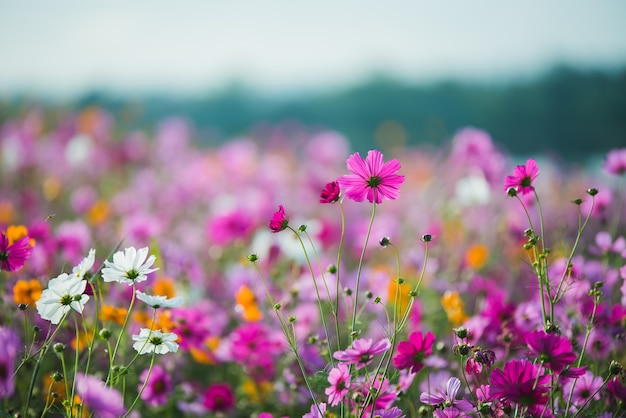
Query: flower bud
[511, 192]
[332, 269]
[615, 368]
[577, 202]
[253, 258]
[302, 228]
[105, 333]
[57, 376]
[22, 306]
[592, 192]
[384, 241]
[58, 347]
[461, 332]
[427, 238]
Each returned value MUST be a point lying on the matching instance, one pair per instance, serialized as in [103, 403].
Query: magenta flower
[362, 352]
[521, 382]
[13, 256]
[279, 221]
[339, 379]
[551, 349]
[219, 398]
[411, 353]
[158, 388]
[98, 399]
[522, 178]
[615, 162]
[372, 178]
[447, 397]
[330, 193]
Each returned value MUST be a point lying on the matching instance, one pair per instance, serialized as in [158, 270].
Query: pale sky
[69, 46]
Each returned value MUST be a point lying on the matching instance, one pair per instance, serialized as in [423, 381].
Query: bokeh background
[538, 76]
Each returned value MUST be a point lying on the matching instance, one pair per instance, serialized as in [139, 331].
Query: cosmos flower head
[85, 265]
[372, 178]
[63, 293]
[330, 193]
[279, 221]
[522, 178]
[339, 379]
[13, 255]
[155, 341]
[129, 266]
[100, 400]
[411, 353]
[447, 397]
[362, 351]
[159, 301]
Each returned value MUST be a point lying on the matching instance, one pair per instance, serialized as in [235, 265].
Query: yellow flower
[246, 303]
[257, 391]
[111, 313]
[453, 306]
[27, 291]
[476, 256]
[16, 232]
[98, 213]
[164, 286]
[204, 354]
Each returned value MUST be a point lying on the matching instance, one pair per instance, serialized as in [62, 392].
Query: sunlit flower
[112, 313]
[411, 353]
[522, 178]
[362, 351]
[279, 220]
[27, 291]
[372, 178]
[339, 379]
[102, 401]
[129, 266]
[330, 193]
[63, 293]
[159, 301]
[155, 341]
[85, 265]
[13, 255]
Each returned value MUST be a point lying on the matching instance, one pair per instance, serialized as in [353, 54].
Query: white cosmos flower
[159, 301]
[129, 266]
[63, 292]
[84, 266]
[149, 341]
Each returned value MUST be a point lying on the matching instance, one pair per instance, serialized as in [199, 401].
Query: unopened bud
[592, 192]
[384, 241]
[58, 347]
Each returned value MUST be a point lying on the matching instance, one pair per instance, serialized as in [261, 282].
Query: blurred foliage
[568, 112]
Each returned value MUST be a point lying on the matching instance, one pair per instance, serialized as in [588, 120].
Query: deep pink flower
[372, 178]
[102, 401]
[447, 397]
[411, 353]
[615, 162]
[159, 386]
[219, 398]
[522, 178]
[339, 379]
[330, 193]
[362, 351]
[551, 349]
[521, 382]
[13, 256]
[617, 389]
[279, 220]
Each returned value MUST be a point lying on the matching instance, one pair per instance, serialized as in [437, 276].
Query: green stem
[143, 387]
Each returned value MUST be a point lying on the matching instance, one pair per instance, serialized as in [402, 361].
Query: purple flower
[318, 411]
[14, 255]
[615, 162]
[330, 193]
[447, 397]
[394, 412]
[339, 379]
[219, 398]
[551, 349]
[522, 178]
[279, 220]
[8, 353]
[102, 401]
[584, 387]
[158, 388]
[372, 178]
[520, 382]
[411, 353]
[362, 351]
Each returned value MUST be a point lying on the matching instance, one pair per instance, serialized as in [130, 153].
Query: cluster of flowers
[500, 308]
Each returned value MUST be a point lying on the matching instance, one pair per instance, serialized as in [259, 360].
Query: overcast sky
[67, 47]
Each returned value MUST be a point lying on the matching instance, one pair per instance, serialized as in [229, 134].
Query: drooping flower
[158, 388]
[330, 193]
[411, 353]
[159, 301]
[8, 353]
[129, 266]
[447, 397]
[279, 220]
[99, 399]
[148, 341]
[551, 349]
[521, 382]
[27, 291]
[372, 178]
[585, 387]
[522, 178]
[63, 293]
[615, 162]
[13, 255]
[362, 351]
[339, 379]
[219, 398]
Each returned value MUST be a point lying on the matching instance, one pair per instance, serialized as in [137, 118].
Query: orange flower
[164, 286]
[402, 292]
[27, 291]
[111, 313]
[204, 354]
[246, 303]
[16, 232]
[98, 213]
[7, 213]
[476, 256]
[453, 306]
[84, 339]
[53, 391]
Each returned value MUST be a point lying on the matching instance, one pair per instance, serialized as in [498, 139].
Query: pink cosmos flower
[219, 398]
[372, 178]
[553, 350]
[339, 379]
[318, 411]
[585, 387]
[521, 382]
[330, 193]
[615, 162]
[13, 256]
[159, 386]
[279, 220]
[362, 351]
[522, 178]
[411, 353]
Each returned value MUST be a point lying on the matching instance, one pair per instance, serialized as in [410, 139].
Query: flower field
[284, 275]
